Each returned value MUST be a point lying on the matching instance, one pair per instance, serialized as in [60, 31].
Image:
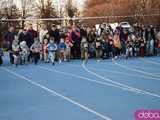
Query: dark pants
[76, 51]
[116, 51]
[36, 57]
[105, 54]
[11, 57]
[1, 60]
[30, 56]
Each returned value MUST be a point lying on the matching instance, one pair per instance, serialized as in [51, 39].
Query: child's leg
[82, 54]
[131, 52]
[41, 57]
[60, 56]
[127, 53]
[158, 51]
[52, 56]
[16, 59]
[36, 58]
[98, 54]
[45, 57]
[69, 54]
[25, 60]
[64, 56]
[86, 56]
[1, 60]
[103, 54]
[11, 57]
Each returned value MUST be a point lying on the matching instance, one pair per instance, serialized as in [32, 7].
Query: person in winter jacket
[8, 39]
[16, 51]
[45, 50]
[52, 48]
[36, 49]
[42, 33]
[98, 46]
[62, 49]
[24, 53]
[69, 45]
[84, 49]
[117, 45]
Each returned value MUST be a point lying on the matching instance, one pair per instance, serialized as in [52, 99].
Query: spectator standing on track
[54, 32]
[42, 33]
[1, 55]
[31, 35]
[158, 44]
[84, 49]
[98, 48]
[22, 36]
[105, 46]
[69, 45]
[16, 51]
[142, 47]
[91, 43]
[76, 38]
[117, 45]
[9, 37]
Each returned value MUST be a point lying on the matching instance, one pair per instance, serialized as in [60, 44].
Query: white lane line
[117, 72]
[85, 78]
[58, 94]
[150, 62]
[136, 70]
[137, 67]
[117, 83]
[112, 84]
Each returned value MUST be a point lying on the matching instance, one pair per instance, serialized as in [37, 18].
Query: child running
[62, 49]
[45, 51]
[36, 49]
[24, 53]
[52, 48]
[16, 51]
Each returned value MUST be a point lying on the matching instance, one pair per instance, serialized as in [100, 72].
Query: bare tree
[139, 8]
[46, 10]
[26, 7]
[8, 10]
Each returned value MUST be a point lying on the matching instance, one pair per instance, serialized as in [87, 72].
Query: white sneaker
[60, 61]
[116, 57]
[98, 60]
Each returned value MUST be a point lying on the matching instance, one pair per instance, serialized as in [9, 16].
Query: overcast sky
[79, 3]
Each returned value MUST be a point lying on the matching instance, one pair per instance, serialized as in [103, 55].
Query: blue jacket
[52, 47]
[62, 46]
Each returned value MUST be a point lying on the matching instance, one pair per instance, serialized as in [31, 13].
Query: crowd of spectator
[79, 42]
